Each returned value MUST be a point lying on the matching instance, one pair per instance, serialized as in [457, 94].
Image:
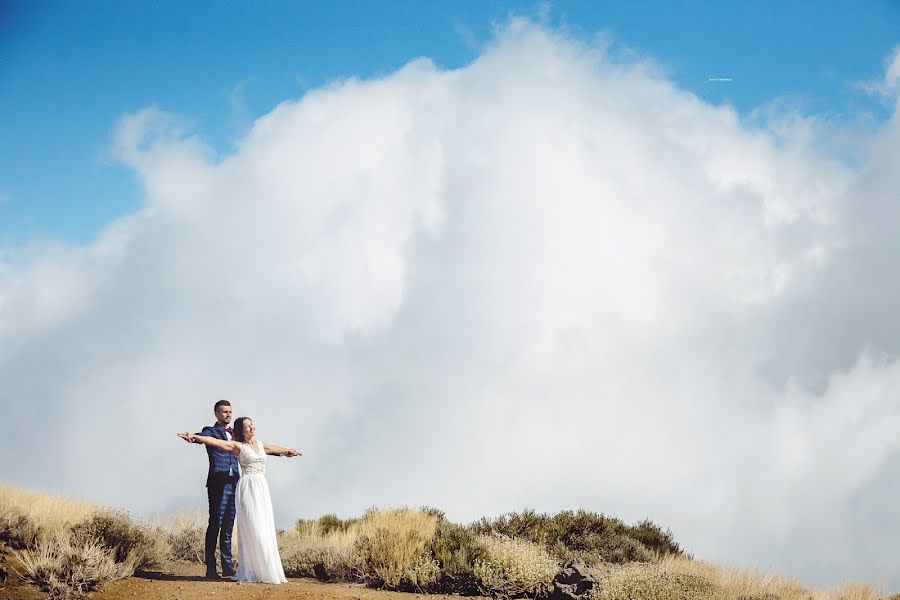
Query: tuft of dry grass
[514, 567]
[393, 544]
[70, 569]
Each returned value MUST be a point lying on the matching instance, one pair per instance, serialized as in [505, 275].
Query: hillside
[59, 548]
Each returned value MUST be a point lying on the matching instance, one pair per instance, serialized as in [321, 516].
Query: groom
[220, 488]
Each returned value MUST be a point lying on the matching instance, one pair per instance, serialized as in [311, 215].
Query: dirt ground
[11, 586]
[185, 581]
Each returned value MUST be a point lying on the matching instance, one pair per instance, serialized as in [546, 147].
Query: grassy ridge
[70, 548]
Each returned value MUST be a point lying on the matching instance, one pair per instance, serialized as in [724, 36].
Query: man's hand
[186, 436]
[290, 453]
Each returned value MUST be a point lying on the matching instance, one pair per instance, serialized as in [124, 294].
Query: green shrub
[437, 513]
[332, 522]
[655, 539]
[456, 548]
[586, 535]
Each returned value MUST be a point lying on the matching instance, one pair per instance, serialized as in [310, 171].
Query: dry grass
[67, 568]
[309, 550]
[388, 548]
[514, 567]
[185, 533]
[69, 548]
[28, 517]
[678, 578]
[732, 582]
[393, 544]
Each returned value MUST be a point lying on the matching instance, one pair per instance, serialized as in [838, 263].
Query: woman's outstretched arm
[277, 450]
[227, 446]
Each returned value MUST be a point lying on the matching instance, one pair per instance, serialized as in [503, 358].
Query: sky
[484, 256]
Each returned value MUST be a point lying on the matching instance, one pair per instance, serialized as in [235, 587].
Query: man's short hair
[221, 403]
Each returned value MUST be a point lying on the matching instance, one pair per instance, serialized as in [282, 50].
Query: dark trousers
[221, 522]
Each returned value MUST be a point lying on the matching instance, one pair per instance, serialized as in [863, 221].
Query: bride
[259, 558]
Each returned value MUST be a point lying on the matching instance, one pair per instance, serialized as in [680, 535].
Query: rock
[573, 582]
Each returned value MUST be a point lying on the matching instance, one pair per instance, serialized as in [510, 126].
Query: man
[221, 483]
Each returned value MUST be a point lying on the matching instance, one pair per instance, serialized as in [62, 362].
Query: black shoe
[212, 575]
[228, 572]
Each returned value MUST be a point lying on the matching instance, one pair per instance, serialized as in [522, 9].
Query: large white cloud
[547, 279]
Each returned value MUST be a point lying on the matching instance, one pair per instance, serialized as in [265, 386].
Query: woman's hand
[291, 452]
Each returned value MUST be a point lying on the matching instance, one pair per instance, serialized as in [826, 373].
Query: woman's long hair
[237, 432]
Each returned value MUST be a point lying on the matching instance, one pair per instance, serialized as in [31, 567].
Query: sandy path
[184, 581]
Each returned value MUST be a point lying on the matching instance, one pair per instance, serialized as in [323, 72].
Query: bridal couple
[236, 486]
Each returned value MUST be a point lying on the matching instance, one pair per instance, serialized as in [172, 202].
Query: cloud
[889, 85]
[548, 279]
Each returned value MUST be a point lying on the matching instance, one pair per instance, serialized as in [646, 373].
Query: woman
[258, 546]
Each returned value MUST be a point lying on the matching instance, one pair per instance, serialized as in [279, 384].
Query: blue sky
[70, 70]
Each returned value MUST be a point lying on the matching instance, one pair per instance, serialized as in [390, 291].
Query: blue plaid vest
[222, 465]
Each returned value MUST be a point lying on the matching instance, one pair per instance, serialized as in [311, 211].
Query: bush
[514, 567]
[306, 559]
[456, 548]
[586, 535]
[185, 533]
[655, 539]
[331, 522]
[187, 544]
[66, 568]
[422, 575]
[19, 531]
[327, 553]
[393, 546]
[125, 540]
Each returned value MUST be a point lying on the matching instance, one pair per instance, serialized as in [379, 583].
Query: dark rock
[462, 584]
[573, 582]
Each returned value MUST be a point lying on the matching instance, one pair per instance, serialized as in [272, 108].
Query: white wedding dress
[258, 557]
